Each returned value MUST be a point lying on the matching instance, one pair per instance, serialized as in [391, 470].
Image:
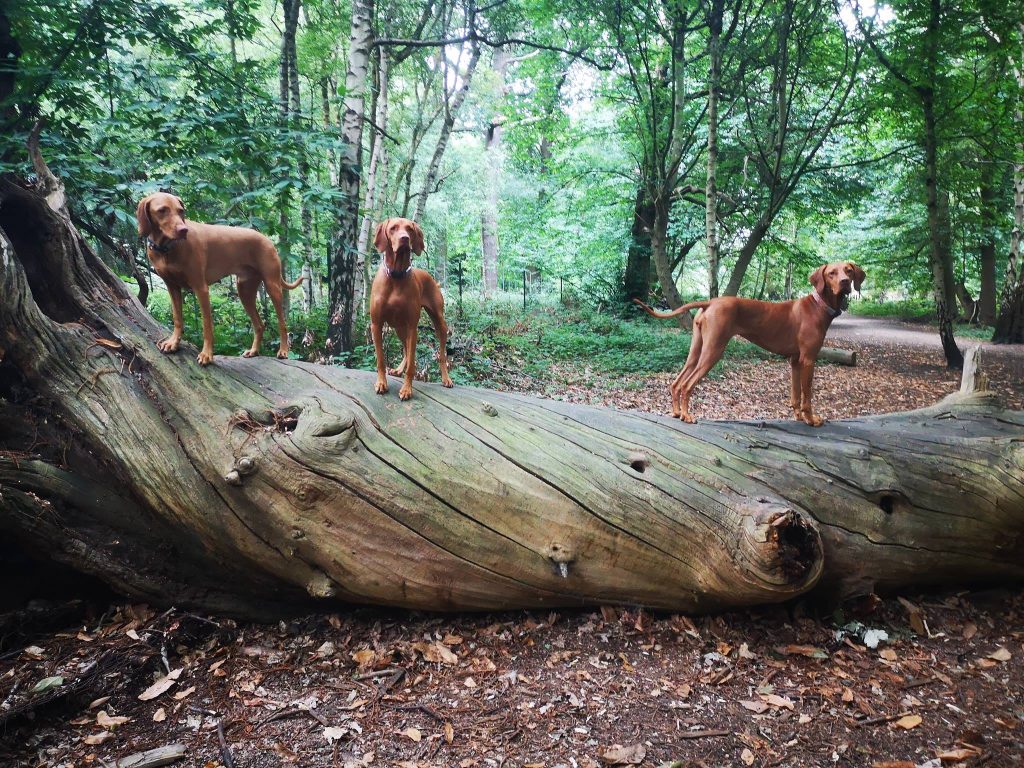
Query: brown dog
[188, 254]
[398, 294]
[793, 329]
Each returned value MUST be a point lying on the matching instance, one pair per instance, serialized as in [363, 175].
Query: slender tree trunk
[746, 254]
[637, 279]
[1010, 323]
[346, 281]
[987, 250]
[493, 148]
[378, 162]
[451, 111]
[441, 250]
[717, 10]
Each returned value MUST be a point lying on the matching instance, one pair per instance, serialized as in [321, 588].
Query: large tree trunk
[344, 277]
[989, 194]
[637, 278]
[1010, 323]
[259, 486]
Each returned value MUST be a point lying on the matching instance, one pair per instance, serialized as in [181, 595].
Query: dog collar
[833, 313]
[396, 273]
[165, 248]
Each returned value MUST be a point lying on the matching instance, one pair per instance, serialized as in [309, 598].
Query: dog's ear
[142, 215]
[182, 204]
[380, 236]
[818, 279]
[858, 276]
[416, 241]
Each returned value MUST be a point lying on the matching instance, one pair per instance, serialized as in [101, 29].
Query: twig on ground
[225, 751]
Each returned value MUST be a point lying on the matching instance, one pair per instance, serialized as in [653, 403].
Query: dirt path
[880, 330]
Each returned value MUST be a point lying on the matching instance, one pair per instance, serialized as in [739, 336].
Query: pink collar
[833, 313]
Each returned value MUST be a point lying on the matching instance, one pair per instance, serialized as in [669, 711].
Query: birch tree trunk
[451, 110]
[344, 277]
[378, 163]
[259, 486]
[988, 194]
[494, 161]
[717, 10]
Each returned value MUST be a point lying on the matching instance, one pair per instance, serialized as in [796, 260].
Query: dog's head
[162, 215]
[398, 239]
[837, 279]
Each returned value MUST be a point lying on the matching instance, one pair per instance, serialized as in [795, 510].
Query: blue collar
[833, 313]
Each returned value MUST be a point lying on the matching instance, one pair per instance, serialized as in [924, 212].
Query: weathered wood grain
[260, 486]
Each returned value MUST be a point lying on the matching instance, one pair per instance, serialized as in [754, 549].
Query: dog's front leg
[205, 356]
[171, 343]
[377, 332]
[806, 381]
[409, 342]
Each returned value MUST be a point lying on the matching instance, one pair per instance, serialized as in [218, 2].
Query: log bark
[259, 486]
[838, 356]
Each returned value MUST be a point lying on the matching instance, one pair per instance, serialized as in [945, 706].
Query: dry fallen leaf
[413, 734]
[888, 654]
[894, 764]
[915, 616]
[160, 715]
[1000, 654]
[909, 721]
[969, 631]
[97, 738]
[747, 756]
[364, 658]
[186, 693]
[619, 755]
[160, 686]
[449, 732]
[810, 651]
[106, 721]
[778, 701]
[284, 753]
[957, 755]
[754, 706]
[437, 653]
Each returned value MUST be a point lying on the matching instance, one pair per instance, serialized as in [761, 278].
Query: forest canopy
[611, 149]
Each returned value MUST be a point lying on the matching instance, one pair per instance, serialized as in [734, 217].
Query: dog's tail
[675, 312]
[291, 286]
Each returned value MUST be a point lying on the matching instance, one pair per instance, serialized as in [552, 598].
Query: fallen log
[260, 486]
[838, 356]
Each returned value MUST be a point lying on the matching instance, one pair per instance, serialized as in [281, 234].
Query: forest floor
[908, 681]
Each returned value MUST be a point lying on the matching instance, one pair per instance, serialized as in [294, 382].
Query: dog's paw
[381, 387]
[405, 393]
[687, 418]
[446, 382]
[168, 345]
[251, 353]
[204, 357]
[812, 420]
[282, 354]
[396, 371]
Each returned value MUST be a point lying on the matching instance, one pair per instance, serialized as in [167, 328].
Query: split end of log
[782, 550]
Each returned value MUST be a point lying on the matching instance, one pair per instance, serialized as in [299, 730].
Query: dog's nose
[182, 232]
[403, 238]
